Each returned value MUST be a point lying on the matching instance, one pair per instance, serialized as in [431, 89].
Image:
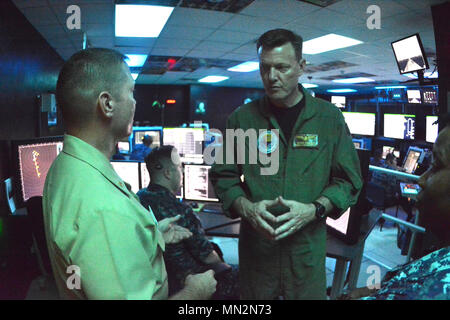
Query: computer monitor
[129, 172]
[412, 159]
[399, 126]
[389, 149]
[145, 179]
[197, 186]
[358, 143]
[430, 96]
[187, 141]
[414, 96]
[32, 159]
[431, 129]
[123, 146]
[338, 101]
[139, 133]
[409, 54]
[360, 123]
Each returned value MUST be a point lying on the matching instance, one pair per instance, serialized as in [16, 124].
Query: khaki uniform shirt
[94, 223]
[329, 166]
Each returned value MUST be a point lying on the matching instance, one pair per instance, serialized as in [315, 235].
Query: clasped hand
[298, 216]
[173, 233]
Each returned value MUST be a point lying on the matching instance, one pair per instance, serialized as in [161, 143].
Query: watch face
[320, 210]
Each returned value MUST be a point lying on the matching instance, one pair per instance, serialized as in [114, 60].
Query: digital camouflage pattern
[427, 278]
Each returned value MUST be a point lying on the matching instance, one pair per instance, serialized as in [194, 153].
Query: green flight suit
[293, 267]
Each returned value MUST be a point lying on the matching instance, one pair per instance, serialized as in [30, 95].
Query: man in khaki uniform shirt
[282, 242]
[94, 225]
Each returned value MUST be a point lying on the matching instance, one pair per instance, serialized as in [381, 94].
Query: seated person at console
[140, 151]
[427, 277]
[196, 254]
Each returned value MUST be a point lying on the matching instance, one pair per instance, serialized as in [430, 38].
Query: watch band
[320, 210]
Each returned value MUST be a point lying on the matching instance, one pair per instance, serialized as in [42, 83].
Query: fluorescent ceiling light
[213, 79]
[248, 66]
[354, 80]
[141, 20]
[327, 43]
[136, 60]
[391, 87]
[135, 75]
[309, 85]
[341, 90]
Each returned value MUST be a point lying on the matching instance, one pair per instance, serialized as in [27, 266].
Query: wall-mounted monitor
[360, 123]
[358, 143]
[338, 101]
[129, 172]
[399, 126]
[414, 96]
[431, 128]
[197, 186]
[430, 96]
[139, 132]
[32, 159]
[409, 54]
[187, 141]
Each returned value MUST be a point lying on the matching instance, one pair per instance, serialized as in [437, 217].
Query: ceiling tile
[258, 25]
[40, 16]
[233, 37]
[288, 11]
[198, 18]
[190, 33]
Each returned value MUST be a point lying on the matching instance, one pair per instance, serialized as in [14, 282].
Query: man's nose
[272, 74]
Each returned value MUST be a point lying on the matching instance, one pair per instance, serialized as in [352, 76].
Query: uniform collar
[87, 153]
[308, 111]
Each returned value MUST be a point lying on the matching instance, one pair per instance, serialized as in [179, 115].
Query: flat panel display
[129, 172]
[360, 123]
[431, 129]
[197, 185]
[399, 126]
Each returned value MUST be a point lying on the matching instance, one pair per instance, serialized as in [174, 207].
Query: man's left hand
[173, 233]
[299, 215]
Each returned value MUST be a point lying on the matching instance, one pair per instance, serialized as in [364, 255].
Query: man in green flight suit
[282, 244]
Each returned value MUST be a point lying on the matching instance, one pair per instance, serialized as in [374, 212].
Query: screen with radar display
[34, 162]
[197, 186]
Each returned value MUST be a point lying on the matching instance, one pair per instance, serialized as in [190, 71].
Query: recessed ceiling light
[212, 79]
[141, 20]
[354, 80]
[341, 90]
[135, 60]
[327, 43]
[309, 85]
[248, 66]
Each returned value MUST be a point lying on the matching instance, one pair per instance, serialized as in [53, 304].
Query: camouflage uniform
[186, 257]
[427, 278]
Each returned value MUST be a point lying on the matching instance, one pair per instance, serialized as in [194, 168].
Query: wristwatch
[320, 210]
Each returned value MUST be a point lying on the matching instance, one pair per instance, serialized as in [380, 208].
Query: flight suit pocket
[302, 262]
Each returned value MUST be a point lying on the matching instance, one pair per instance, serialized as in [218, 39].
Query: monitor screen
[409, 54]
[389, 149]
[399, 126]
[123, 146]
[431, 129]
[155, 134]
[414, 96]
[412, 159]
[338, 101]
[430, 96]
[357, 144]
[145, 179]
[197, 186]
[188, 141]
[360, 123]
[129, 172]
[35, 160]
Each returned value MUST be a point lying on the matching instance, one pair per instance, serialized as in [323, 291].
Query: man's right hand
[257, 214]
[201, 285]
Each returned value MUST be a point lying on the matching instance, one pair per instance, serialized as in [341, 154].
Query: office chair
[376, 195]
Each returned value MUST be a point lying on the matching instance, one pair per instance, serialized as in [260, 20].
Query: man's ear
[106, 104]
[302, 64]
